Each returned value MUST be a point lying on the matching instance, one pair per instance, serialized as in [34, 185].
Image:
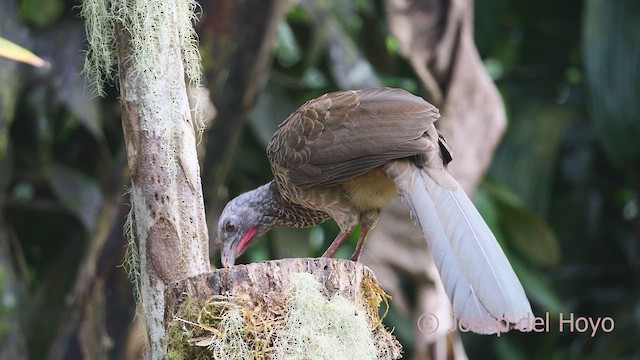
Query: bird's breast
[372, 190]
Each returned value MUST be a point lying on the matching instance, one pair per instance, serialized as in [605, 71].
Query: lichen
[183, 330]
[100, 28]
[131, 261]
[321, 328]
[224, 327]
[300, 323]
[151, 27]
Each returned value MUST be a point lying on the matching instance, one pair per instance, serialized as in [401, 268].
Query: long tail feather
[475, 272]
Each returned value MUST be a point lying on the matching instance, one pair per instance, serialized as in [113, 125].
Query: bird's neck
[280, 212]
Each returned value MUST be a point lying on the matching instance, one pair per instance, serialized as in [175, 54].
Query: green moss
[221, 328]
[180, 332]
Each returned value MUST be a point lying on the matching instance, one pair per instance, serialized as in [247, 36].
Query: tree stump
[277, 310]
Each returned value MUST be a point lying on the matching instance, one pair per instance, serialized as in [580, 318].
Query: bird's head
[241, 222]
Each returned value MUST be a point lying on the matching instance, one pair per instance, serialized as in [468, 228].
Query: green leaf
[508, 350]
[487, 208]
[287, 49]
[526, 159]
[538, 288]
[41, 12]
[522, 228]
[612, 54]
[79, 193]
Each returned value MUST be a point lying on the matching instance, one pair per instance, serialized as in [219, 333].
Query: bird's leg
[367, 222]
[347, 220]
[337, 242]
[361, 240]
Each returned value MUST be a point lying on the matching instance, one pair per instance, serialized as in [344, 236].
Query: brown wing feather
[345, 134]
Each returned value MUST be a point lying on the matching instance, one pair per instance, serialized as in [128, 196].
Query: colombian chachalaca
[344, 155]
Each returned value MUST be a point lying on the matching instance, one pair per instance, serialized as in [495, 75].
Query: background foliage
[562, 193]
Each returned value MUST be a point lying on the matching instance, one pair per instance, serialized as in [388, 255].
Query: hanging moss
[148, 25]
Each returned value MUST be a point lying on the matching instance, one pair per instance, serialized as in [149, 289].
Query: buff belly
[369, 191]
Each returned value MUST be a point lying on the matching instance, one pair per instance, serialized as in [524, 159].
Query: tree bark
[262, 288]
[166, 193]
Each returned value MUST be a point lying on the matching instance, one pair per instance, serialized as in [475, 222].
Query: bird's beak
[228, 256]
[232, 249]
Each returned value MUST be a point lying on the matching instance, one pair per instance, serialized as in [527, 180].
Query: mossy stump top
[276, 310]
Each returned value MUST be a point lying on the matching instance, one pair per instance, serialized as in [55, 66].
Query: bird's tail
[475, 272]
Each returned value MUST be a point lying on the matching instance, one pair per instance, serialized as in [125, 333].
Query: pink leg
[367, 222]
[337, 242]
[360, 245]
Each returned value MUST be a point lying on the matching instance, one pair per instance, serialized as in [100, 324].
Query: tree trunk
[168, 210]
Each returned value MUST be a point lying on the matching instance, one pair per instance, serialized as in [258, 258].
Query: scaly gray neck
[278, 212]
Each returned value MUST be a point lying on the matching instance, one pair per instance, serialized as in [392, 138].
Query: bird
[344, 156]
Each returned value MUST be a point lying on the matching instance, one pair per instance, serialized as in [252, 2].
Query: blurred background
[561, 191]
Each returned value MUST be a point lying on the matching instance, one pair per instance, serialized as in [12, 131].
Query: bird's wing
[344, 134]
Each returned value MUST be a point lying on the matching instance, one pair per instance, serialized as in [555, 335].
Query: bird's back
[346, 134]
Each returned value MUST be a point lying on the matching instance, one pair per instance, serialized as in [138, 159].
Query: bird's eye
[229, 226]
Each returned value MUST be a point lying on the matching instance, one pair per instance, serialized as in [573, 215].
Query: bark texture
[166, 193]
[262, 287]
